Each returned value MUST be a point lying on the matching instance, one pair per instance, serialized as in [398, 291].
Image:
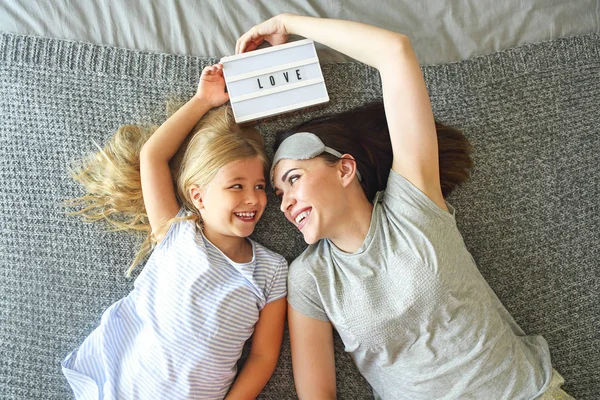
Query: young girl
[207, 287]
[390, 271]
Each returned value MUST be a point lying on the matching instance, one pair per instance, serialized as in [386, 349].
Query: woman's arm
[312, 356]
[264, 353]
[408, 109]
[157, 184]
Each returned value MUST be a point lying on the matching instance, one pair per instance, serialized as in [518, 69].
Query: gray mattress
[529, 214]
[441, 31]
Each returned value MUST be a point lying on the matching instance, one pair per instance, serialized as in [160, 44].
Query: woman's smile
[300, 218]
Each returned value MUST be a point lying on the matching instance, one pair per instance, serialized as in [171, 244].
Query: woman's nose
[286, 202]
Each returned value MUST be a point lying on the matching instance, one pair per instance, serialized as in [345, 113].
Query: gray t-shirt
[414, 311]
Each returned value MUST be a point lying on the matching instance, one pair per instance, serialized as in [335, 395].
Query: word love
[295, 76]
[274, 80]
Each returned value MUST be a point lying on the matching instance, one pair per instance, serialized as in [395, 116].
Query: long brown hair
[364, 133]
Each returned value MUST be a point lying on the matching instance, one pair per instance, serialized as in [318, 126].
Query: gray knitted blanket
[529, 215]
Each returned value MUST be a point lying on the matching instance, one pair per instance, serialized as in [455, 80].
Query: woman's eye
[260, 187]
[237, 186]
[292, 179]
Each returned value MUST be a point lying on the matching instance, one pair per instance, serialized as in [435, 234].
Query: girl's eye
[236, 186]
[292, 179]
[260, 187]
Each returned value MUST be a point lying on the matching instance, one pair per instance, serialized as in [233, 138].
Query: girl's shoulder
[181, 230]
[263, 254]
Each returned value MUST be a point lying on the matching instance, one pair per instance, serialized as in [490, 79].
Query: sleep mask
[302, 146]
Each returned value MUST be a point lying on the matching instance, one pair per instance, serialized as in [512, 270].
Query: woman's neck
[237, 249]
[350, 235]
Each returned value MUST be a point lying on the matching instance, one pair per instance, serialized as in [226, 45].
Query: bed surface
[529, 215]
[440, 31]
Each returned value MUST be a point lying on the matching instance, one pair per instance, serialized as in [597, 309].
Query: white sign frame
[291, 75]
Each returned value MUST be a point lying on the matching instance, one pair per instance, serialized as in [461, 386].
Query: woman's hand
[272, 30]
[211, 88]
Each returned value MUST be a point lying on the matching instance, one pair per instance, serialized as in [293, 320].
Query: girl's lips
[249, 216]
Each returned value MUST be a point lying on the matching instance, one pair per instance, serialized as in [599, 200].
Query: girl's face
[233, 202]
[308, 192]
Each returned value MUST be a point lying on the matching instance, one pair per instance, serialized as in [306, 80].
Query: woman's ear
[196, 194]
[347, 167]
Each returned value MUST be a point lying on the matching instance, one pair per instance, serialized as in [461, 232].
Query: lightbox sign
[274, 80]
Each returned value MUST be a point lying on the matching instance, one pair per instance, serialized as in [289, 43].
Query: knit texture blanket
[529, 214]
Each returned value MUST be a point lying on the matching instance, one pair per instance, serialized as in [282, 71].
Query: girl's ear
[196, 194]
[347, 168]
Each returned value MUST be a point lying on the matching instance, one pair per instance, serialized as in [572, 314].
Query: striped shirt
[181, 330]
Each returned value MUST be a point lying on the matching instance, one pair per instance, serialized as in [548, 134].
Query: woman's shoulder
[311, 257]
[405, 198]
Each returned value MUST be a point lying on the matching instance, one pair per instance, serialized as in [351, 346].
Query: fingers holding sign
[211, 87]
[272, 30]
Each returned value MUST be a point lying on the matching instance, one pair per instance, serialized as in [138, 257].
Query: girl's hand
[211, 88]
[272, 30]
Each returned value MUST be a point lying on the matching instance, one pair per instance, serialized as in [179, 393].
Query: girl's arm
[313, 358]
[408, 109]
[264, 353]
[157, 184]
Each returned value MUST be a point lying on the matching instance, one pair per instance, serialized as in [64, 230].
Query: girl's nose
[251, 197]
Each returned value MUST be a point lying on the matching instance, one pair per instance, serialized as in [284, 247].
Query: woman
[391, 274]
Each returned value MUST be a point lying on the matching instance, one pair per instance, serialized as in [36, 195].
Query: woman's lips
[301, 218]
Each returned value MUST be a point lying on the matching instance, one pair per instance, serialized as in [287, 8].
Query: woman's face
[309, 191]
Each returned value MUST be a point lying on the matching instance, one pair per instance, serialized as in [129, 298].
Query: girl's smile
[233, 201]
[246, 216]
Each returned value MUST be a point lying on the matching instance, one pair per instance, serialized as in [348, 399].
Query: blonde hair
[111, 176]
